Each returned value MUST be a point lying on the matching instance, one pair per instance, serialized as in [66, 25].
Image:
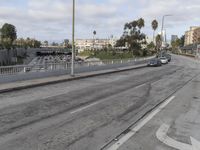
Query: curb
[70, 79]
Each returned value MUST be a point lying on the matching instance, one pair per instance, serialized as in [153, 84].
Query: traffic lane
[187, 62]
[89, 128]
[42, 92]
[22, 114]
[176, 127]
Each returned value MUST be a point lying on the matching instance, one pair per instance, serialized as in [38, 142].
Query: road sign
[161, 134]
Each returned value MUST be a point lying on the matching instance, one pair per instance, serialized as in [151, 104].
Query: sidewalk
[175, 124]
[8, 87]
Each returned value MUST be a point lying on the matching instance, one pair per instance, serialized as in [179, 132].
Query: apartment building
[82, 44]
[192, 36]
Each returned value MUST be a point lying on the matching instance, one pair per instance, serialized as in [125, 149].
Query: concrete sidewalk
[8, 87]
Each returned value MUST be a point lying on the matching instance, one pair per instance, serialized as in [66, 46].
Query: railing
[20, 69]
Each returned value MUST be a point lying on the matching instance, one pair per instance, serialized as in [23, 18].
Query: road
[88, 114]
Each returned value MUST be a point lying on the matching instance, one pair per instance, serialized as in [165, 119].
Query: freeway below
[97, 112]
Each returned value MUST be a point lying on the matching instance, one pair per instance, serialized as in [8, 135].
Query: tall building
[192, 36]
[174, 38]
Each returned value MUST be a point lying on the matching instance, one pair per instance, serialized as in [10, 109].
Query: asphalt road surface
[88, 114]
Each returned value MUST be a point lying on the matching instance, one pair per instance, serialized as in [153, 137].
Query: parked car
[169, 57]
[163, 60]
[164, 54]
[154, 62]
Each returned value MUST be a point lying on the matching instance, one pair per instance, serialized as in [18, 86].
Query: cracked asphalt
[87, 114]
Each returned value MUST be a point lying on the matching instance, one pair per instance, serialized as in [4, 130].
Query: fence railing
[21, 69]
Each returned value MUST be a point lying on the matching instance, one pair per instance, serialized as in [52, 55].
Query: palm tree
[158, 42]
[141, 23]
[154, 25]
[94, 33]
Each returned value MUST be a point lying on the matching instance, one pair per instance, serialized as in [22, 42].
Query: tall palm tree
[158, 42]
[154, 25]
[94, 33]
[141, 23]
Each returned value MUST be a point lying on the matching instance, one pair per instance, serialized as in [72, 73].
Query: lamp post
[163, 21]
[73, 43]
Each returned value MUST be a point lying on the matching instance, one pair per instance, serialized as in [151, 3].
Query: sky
[52, 19]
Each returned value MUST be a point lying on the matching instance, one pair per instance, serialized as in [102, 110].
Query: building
[174, 38]
[192, 36]
[89, 44]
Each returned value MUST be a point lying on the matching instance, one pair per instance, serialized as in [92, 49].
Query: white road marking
[161, 134]
[83, 108]
[139, 86]
[95, 103]
[133, 131]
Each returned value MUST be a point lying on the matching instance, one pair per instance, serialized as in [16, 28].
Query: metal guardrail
[21, 69]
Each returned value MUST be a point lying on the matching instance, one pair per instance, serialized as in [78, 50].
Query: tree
[132, 37]
[55, 44]
[158, 42]
[182, 41]
[94, 33]
[46, 43]
[8, 35]
[66, 42]
[28, 43]
[151, 47]
[154, 25]
[176, 44]
[140, 23]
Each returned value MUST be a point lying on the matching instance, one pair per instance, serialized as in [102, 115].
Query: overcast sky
[51, 19]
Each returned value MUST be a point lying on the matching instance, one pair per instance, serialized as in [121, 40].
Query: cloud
[51, 20]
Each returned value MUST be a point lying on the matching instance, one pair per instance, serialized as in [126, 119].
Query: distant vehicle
[164, 54]
[169, 57]
[79, 60]
[163, 60]
[154, 62]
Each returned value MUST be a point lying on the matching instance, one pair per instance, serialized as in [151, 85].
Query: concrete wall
[10, 57]
[7, 58]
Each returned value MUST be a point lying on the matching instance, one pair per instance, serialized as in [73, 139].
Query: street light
[73, 44]
[163, 20]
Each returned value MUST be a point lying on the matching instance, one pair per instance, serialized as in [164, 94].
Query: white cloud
[51, 20]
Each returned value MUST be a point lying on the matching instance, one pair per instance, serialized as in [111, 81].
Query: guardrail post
[24, 69]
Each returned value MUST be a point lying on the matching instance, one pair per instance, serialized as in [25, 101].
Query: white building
[98, 44]
[192, 36]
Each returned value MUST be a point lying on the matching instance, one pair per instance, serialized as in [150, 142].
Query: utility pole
[73, 43]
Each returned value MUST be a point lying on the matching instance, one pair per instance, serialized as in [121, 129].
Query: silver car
[164, 60]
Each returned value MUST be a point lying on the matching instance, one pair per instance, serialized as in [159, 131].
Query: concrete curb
[80, 76]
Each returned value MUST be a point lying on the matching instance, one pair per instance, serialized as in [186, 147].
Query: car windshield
[99, 74]
[152, 61]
